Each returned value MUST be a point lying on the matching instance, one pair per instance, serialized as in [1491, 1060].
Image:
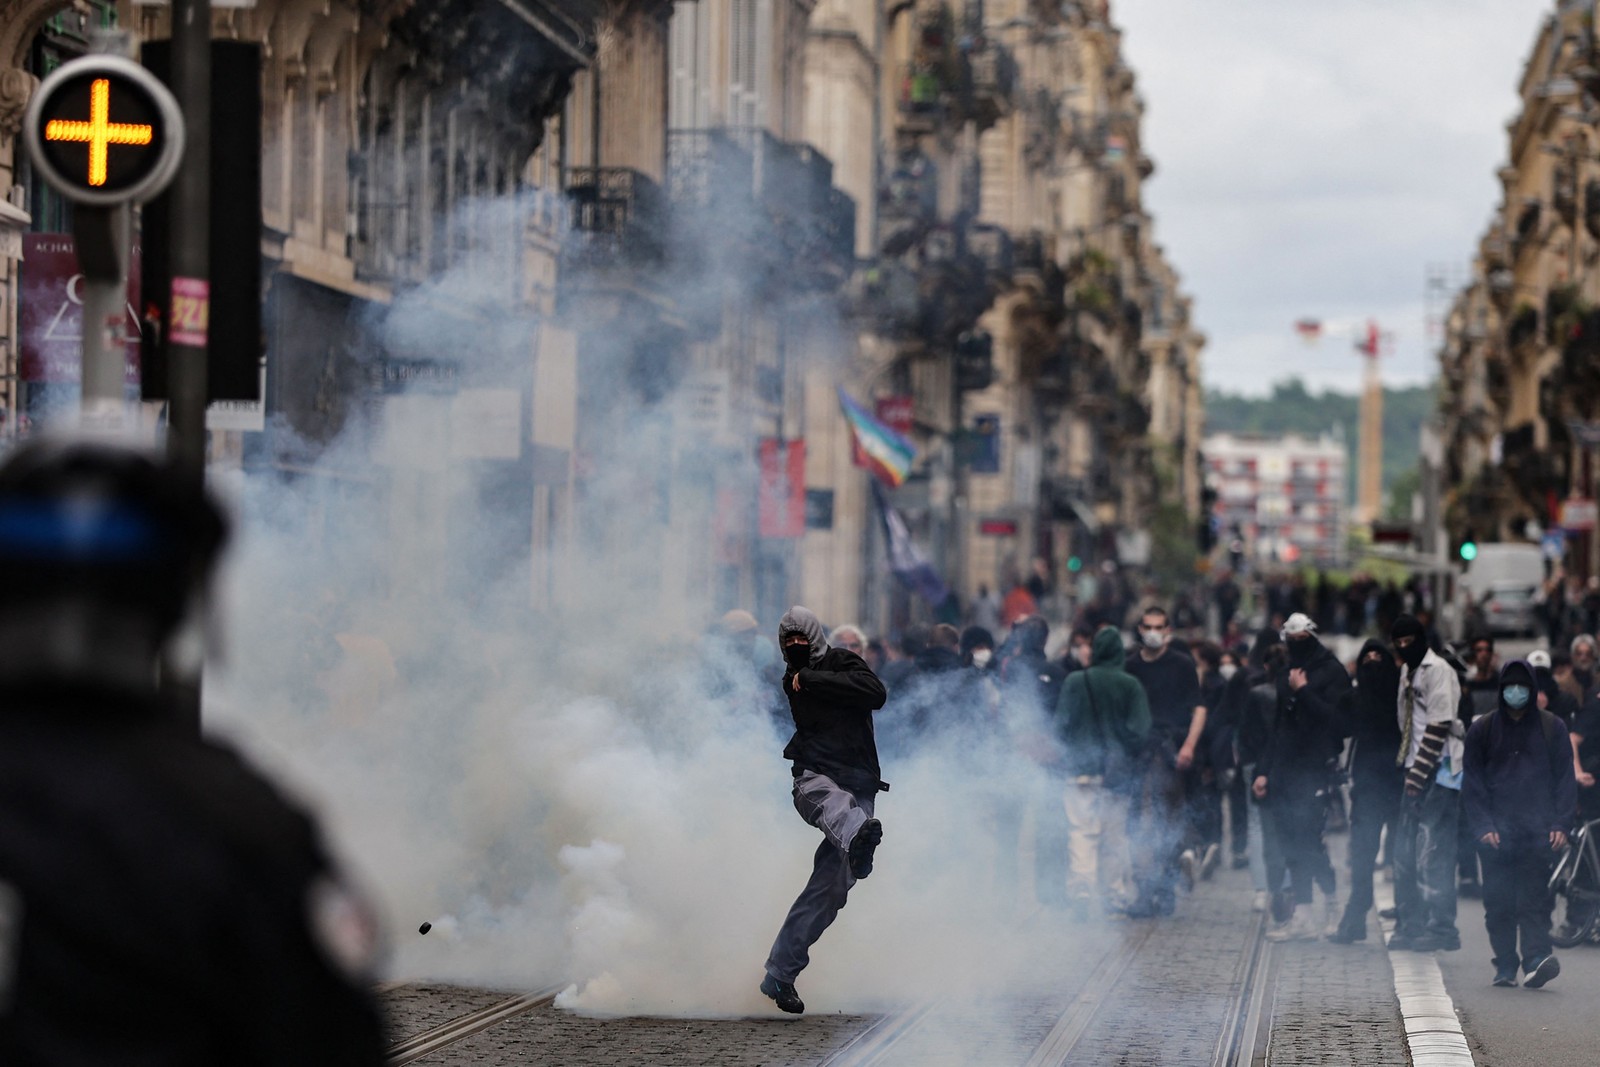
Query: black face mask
[797, 656]
[1411, 655]
[1300, 650]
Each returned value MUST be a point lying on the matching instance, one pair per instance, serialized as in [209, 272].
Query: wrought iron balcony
[619, 218]
[813, 222]
[708, 167]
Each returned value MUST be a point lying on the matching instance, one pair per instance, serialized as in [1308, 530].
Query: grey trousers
[838, 813]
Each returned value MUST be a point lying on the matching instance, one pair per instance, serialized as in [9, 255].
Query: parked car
[1510, 607]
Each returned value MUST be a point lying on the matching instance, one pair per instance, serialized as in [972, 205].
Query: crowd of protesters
[1166, 754]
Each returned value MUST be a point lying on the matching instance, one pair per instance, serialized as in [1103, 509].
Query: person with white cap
[1293, 778]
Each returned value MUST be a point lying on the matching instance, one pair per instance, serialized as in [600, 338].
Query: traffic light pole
[189, 311]
[190, 240]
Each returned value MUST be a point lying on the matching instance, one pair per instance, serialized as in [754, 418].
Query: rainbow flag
[878, 448]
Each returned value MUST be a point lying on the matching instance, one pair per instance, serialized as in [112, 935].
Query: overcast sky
[1314, 159]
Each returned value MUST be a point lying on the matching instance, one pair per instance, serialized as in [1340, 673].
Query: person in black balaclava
[1367, 717]
[832, 694]
[1292, 776]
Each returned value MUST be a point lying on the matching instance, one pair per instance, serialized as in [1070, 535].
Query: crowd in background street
[1169, 752]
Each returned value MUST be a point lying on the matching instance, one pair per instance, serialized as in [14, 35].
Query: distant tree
[1292, 408]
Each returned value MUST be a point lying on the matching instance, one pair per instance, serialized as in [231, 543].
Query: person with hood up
[1292, 774]
[1427, 709]
[1104, 722]
[1367, 718]
[1519, 792]
[832, 694]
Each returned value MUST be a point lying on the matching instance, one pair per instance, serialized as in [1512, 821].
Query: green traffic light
[1469, 551]
[1074, 564]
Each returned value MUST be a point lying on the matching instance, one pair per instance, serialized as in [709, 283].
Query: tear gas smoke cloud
[588, 797]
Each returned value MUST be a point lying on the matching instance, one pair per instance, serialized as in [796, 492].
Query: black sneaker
[1348, 934]
[1389, 913]
[1541, 972]
[1435, 943]
[1399, 942]
[863, 845]
[1505, 979]
[784, 993]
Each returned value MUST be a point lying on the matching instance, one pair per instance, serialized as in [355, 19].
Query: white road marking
[1433, 1031]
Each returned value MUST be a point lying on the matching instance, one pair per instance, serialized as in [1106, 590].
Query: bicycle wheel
[1577, 902]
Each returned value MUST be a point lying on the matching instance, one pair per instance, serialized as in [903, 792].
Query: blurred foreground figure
[832, 694]
[159, 902]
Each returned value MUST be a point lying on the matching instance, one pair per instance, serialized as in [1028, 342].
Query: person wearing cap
[1292, 776]
[1519, 793]
[1430, 750]
[1547, 682]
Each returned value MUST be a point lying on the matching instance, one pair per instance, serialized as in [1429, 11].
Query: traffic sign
[103, 131]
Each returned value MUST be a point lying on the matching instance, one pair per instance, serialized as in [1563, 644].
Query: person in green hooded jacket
[1104, 722]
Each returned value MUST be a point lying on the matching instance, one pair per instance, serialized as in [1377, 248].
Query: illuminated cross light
[99, 132]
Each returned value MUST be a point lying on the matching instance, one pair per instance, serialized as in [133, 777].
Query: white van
[1501, 588]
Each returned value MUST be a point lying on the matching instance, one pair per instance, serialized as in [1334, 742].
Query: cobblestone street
[1177, 991]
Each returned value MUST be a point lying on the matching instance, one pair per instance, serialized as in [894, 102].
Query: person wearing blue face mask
[1519, 794]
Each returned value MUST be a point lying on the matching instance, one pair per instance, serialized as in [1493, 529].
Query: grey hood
[799, 620]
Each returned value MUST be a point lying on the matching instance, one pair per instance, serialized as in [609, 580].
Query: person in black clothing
[1160, 827]
[1235, 678]
[1367, 716]
[1207, 801]
[1519, 794]
[832, 694]
[926, 701]
[159, 901]
[977, 648]
[1292, 775]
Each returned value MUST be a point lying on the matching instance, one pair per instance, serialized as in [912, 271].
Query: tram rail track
[464, 1026]
[1242, 1042]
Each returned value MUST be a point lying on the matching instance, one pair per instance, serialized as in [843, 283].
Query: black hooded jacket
[833, 710]
[1367, 716]
[1304, 731]
[1518, 779]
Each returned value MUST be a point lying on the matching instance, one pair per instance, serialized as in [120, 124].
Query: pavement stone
[549, 1036]
[1335, 1005]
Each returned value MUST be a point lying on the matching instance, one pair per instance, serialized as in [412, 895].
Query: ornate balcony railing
[619, 218]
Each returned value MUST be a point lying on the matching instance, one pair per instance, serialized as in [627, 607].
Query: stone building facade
[594, 272]
[1520, 359]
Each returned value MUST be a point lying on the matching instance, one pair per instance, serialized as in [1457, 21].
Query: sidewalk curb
[1434, 1037]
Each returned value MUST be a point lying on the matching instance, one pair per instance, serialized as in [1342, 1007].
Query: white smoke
[584, 798]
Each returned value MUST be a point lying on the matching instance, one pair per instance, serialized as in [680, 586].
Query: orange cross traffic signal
[103, 131]
[99, 132]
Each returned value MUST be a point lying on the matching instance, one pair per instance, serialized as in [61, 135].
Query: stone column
[631, 64]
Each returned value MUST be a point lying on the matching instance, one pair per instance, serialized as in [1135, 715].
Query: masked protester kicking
[832, 694]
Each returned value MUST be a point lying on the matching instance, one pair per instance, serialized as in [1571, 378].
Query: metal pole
[189, 311]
